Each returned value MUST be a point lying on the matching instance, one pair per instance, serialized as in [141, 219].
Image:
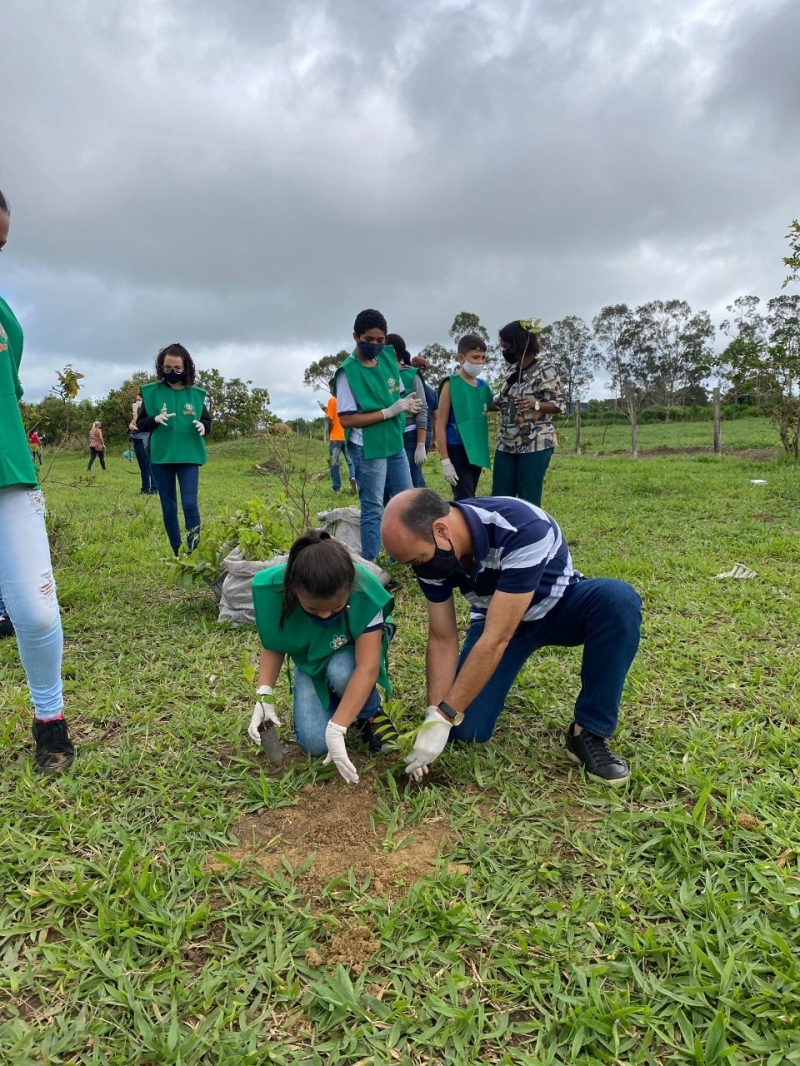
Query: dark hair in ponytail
[318, 565]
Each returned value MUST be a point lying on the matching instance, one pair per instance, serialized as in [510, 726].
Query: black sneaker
[597, 759]
[54, 749]
[6, 626]
[378, 732]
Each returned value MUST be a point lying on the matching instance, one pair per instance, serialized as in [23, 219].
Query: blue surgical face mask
[369, 350]
[324, 622]
[473, 369]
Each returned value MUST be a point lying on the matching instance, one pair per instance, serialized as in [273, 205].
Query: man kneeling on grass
[510, 560]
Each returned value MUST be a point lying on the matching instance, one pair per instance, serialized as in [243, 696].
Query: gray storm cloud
[247, 179]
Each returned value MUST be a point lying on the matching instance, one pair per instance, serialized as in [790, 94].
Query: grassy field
[170, 901]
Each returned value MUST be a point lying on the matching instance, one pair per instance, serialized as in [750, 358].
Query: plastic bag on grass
[236, 599]
[344, 523]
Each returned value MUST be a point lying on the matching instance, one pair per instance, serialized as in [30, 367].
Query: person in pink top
[97, 446]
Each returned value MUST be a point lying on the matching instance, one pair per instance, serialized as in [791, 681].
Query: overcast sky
[246, 175]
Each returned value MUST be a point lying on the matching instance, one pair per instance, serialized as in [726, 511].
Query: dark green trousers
[521, 475]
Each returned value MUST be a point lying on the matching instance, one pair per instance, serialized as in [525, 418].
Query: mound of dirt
[333, 822]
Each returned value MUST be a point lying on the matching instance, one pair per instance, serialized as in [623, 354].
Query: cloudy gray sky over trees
[245, 176]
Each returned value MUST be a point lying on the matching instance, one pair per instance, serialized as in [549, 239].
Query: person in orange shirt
[337, 445]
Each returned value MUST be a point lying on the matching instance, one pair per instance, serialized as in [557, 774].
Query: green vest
[16, 465]
[310, 645]
[178, 441]
[471, 405]
[374, 388]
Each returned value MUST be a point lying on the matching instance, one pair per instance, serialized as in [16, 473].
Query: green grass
[655, 925]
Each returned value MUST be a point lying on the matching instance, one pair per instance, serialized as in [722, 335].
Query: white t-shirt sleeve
[345, 400]
[376, 623]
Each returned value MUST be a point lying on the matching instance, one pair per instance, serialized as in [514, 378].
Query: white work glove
[264, 712]
[420, 455]
[449, 472]
[429, 744]
[337, 752]
[201, 429]
[162, 417]
[406, 405]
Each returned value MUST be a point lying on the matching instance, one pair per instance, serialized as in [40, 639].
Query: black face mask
[509, 356]
[440, 567]
[324, 622]
[174, 377]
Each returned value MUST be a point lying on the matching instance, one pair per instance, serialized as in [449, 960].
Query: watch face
[459, 718]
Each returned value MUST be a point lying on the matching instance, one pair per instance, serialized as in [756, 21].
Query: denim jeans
[372, 476]
[336, 449]
[310, 717]
[602, 614]
[410, 446]
[143, 459]
[29, 590]
[521, 474]
[187, 476]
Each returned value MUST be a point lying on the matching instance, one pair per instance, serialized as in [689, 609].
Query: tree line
[660, 354]
[236, 406]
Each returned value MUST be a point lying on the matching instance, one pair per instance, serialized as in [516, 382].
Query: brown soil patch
[333, 823]
[764, 517]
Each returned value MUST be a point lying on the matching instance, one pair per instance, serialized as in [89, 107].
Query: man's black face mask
[440, 567]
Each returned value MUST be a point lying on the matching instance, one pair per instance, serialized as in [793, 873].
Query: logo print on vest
[338, 642]
[188, 409]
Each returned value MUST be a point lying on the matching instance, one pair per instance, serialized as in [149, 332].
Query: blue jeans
[187, 476]
[410, 446]
[337, 448]
[310, 717]
[602, 614]
[29, 589]
[143, 459]
[372, 476]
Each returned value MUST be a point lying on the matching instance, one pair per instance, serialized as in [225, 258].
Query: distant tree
[115, 410]
[317, 375]
[213, 383]
[465, 322]
[628, 359]
[783, 320]
[440, 361]
[744, 362]
[572, 350]
[678, 341]
[792, 261]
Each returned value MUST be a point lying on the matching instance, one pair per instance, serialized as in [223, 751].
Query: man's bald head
[408, 521]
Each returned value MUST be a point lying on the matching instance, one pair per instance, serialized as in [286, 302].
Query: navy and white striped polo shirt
[518, 548]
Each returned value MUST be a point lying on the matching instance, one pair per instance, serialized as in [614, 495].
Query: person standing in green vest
[462, 428]
[26, 570]
[416, 428]
[173, 411]
[331, 617]
[373, 406]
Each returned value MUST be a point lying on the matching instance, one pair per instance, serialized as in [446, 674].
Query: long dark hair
[188, 362]
[319, 566]
[521, 340]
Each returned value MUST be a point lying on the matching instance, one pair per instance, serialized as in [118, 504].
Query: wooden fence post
[578, 428]
[717, 424]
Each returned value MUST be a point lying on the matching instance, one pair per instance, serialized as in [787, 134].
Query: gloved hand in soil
[429, 744]
[264, 712]
[337, 752]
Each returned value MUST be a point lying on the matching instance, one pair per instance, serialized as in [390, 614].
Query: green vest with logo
[16, 465]
[178, 440]
[310, 645]
[374, 388]
[471, 405]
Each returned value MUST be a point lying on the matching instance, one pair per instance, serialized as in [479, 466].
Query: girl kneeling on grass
[331, 617]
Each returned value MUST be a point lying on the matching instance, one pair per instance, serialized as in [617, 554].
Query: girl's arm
[269, 667]
[363, 678]
[442, 415]
[144, 422]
